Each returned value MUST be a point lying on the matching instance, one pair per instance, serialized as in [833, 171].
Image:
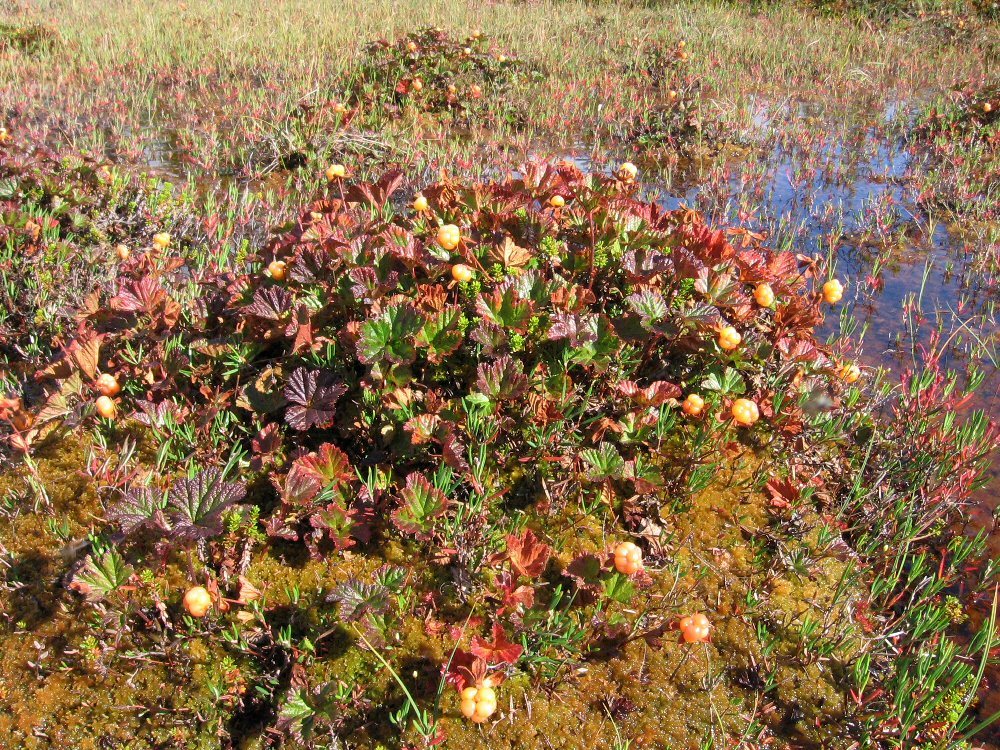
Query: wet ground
[841, 185]
[818, 183]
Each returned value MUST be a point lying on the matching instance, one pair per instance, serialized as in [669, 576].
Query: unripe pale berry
[197, 601]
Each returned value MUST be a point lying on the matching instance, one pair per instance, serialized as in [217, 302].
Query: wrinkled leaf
[195, 505]
[528, 555]
[312, 399]
[441, 335]
[140, 508]
[101, 575]
[421, 504]
[390, 337]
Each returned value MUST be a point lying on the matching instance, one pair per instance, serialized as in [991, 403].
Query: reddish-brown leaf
[782, 493]
[499, 650]
[528, 555]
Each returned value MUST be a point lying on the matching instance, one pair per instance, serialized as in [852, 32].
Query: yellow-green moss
[677, 694]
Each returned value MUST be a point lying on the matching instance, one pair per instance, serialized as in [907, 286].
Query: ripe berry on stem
[693, 405]
[628, 558]
[745, 412]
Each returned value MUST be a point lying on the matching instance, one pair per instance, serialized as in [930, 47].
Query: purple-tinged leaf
[644, 264]
[502, 380]
[195, 505]
[272, 303]
[278, 527]
[155, 415]
[355, 600]
[366, 285]
[578, 329]
[313, 399]
[649, 305]
[140, 508]
[312, 265]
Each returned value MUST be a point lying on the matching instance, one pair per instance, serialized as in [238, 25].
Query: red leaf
[145, 296]
[514, 597]
[500, 651]
[782, 493]
[528, 555]
[465, 669]
[329, 465]
[654, 394]
[301, 327]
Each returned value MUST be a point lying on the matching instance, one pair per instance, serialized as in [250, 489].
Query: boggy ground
[64, 686]
[773, 117]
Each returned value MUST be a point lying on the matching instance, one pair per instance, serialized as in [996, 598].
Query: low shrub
[430, 71]
[521, 437]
